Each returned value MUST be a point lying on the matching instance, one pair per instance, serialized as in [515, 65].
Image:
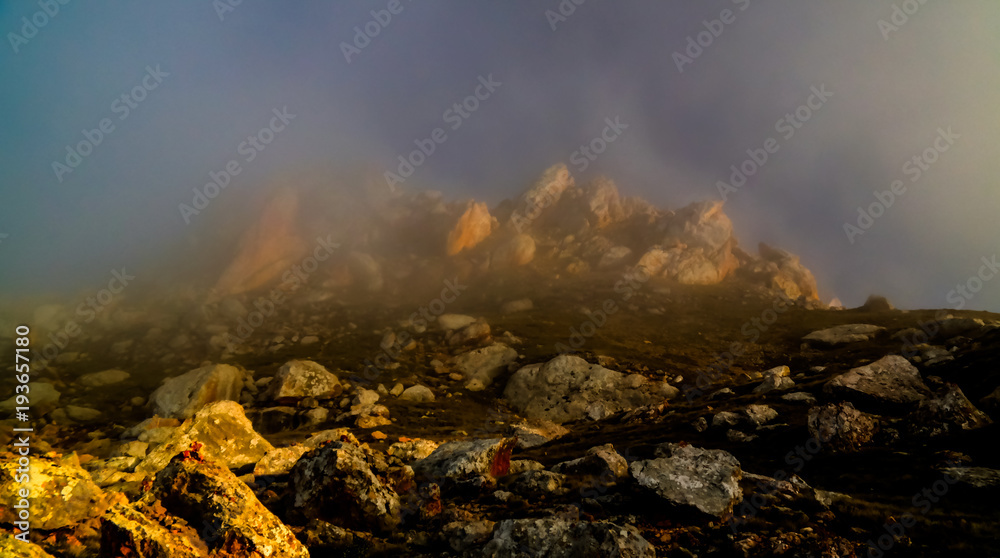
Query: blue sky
[892, 91]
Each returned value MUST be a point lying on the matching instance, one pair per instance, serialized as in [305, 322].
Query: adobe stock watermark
[454, 116]
[914, 168]
[900, 16]
[787, 126]
[364, 34]
[588, 153]
[565, 8]
[225, 7]
[123, 106]
[698, 43]
[250, 148]
[293, 277]
[38, 20]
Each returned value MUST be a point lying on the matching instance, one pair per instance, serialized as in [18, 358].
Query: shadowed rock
[707, 480]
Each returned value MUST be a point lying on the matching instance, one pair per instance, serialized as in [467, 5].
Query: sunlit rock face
[472, 228]
[267, 249]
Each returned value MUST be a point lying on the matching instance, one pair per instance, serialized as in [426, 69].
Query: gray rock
[44, 398]
[104, 378]
[335, 483]
[947, 413]
[569, 388]
[891, 379]
[562, 538]
[299, 379]
[843, 334]
[799, 397]
[538, 483]
[183, 395]
[600, 461]
[759, 415]
[482, 366]
[454, 321]
[774, 383]
[467, 458]
[464, 536]
[83, 414]
[417, 394]
[688, 476]
[841, 428]
[471, 333]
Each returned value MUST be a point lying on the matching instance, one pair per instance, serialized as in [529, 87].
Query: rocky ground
[570, 374]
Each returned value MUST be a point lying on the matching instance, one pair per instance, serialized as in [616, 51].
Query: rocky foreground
[571, 374]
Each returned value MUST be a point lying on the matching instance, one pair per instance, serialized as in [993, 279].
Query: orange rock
[379, 435]
[268, 249]
[472, 228]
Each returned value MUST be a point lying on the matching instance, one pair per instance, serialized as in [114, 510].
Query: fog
[200, 78]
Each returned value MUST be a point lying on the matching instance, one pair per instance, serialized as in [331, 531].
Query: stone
[183, 395]
[707, 480]
[454, 321]
[569, 388]
[267, 248]
[537, 432]
[614, 257]
[515, 306]
[799, 397]
[396, 389]
[412, 450]
[877, 303]
[891, 379]
[537, 484]
[225, 433]
[468, 458]
[83, 414]
[279, 461]
[518, 251]
[131, 530]
[472, 333]
[332, 435]
[103, 378]
[946, 413]
[335, 483]
[600, 461]
[604, 203]
[544, 193]
[44, 398]
[365, 398]
[760, 414]
[61, 492]
[841, 428]
[482, 366]
[774, 383]
[231, 518]
[298, 379]
[474, 226]
[464, 536]
[417, 394]
[843, 334]
[786, 273]
[562, 538]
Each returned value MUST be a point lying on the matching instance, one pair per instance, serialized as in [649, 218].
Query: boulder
[183, 395]
[147, 531]
[44, 398]
[103, 378]
[891, 379]
[472, 228]
[604, 203]
[843, 334]
[707, 480]
[544, 193]
[840, 428]
[454, 321]
[481, 366]
[468, 458]
[600, 461]
[562, 538]
[787, 274]
[226, 435]
[946, 413]
[514, 306]
[569, 388]
[280, 461]
[298, 379]
[61, 492]
[417, 394]
[335, 483]
[231, 519]
[518, 251]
